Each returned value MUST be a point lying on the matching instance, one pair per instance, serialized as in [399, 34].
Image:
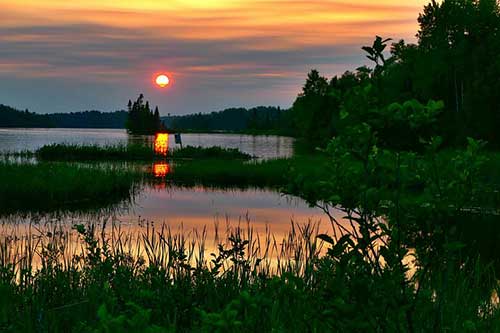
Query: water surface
[198, 207]
[19, 139]
[194, 209]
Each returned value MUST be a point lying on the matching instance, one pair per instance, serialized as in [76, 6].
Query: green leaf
[454, 246]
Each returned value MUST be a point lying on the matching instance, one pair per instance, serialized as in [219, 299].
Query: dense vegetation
[239, 120]
[89, 119]
[10, 117]
[141, 118]
[455, 61]
[259, 119]
[412, 271]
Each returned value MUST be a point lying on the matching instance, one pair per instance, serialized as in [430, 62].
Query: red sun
[162, 80]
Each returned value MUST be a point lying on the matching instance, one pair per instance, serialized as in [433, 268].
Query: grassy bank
[407, 272]
[52, 186]
[275, 173]
[65, 152]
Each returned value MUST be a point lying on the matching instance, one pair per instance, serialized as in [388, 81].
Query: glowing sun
[162, 80]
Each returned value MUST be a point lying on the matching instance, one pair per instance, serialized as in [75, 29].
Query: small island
[141, 119]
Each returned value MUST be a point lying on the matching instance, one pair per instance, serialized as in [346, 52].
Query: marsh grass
[132, 152]
[68, 152]
[101, 275]
[96, 274]
[218, 153]
[273, 173]
[155, 279]
[52, 186]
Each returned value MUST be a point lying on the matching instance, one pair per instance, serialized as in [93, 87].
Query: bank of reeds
[101, 277]
[133, 152]
[273, 173]
[69, 152]
[51, 186]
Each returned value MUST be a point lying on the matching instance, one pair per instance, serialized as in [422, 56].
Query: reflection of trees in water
[146, 140]
[158, 142]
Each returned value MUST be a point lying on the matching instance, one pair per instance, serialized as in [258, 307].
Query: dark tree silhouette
[141, 120]
[456, 60]
[10, 117]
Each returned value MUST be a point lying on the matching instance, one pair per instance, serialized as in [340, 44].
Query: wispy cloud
[218, 52]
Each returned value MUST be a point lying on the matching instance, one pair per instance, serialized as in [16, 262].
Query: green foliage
[401, 205]
[257, 120]
[400, 259]
[133, 319]
[314, 113]
[397, 206]
[455, 61]
[10, 117]
[376, 54]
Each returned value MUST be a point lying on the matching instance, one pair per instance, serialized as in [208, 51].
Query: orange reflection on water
[161, 169]
[161, 143]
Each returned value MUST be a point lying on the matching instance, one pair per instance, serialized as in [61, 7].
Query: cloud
[234, 51]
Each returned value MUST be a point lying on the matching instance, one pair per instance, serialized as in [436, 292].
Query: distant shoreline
[244, 132]
[45, 127]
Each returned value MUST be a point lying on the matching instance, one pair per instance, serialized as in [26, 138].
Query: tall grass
[66, 152]
[133, 152]
[101, 277]
[274, 173]
[51, 186]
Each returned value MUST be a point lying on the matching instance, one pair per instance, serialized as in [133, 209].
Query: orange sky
[221, 53]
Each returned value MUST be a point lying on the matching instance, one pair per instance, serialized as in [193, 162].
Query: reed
[51, 186]
[67, 152]
[132, 152]
[61, 279]
[101, 276]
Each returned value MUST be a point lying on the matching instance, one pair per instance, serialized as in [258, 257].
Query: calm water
[195, 207]
[199, 215]
[191, 208]
[31, 139]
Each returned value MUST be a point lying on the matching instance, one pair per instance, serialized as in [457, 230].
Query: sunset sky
[72, 55]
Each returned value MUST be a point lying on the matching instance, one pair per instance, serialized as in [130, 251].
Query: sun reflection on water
[161, 143]
[161, 169]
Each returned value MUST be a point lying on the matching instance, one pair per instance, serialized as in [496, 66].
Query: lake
[262, 146]
[190, 209]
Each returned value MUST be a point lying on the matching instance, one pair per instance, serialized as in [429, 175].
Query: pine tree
[141, 119]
